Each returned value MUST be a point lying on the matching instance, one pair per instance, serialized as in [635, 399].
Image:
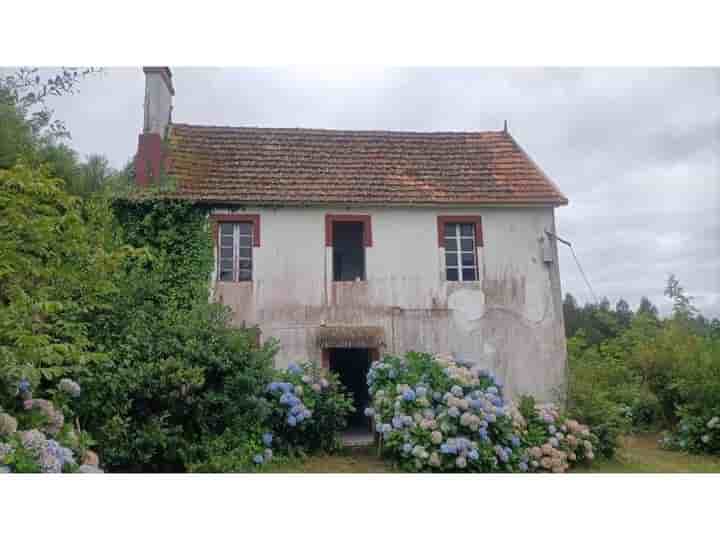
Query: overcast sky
[635, 150]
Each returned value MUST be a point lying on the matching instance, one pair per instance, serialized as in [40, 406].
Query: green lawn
[639, 454]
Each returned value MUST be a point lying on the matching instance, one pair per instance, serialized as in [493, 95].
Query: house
[345, 245]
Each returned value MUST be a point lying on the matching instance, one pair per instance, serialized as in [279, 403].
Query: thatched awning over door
[349, 337]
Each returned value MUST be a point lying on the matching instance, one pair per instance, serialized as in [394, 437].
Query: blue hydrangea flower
[397, 422]
[407, 448]
[453, 412]
[292, 421]
[473, 454]
[294, 369]
[523, 467]
[267, 439]
[258, 459]
[24, 385]
[409, 395]
[515, 441]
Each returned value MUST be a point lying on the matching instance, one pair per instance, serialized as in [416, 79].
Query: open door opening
[351, 366]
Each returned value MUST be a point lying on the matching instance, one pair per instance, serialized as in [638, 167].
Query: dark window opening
[348, 251]
[351, 366]
[235, 256]
[460, 252]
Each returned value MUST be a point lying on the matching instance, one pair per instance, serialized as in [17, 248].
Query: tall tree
[623, 313]
[647, 308]
[682, 303]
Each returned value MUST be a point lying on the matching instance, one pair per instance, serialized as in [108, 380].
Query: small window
[348, 251]
[460, 252]
[235, 256]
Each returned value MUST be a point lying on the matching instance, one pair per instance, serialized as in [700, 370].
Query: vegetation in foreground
[635, 454]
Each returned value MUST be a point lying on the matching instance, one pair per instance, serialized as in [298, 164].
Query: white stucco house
[346, 245]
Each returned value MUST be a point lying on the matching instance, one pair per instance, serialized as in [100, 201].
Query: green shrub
[177, 380]
[599, 392]
[695, 433]
[174, 381]
[59, 255]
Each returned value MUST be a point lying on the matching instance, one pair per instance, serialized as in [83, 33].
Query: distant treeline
[600, 321]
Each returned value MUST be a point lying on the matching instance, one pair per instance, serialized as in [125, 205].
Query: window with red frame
[235, 246]
[460, 252]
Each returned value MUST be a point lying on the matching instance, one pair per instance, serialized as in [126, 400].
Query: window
[348, 252]
[348, 235]
[460, 251]
[235, 251]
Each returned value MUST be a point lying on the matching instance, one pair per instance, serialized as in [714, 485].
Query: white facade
[509, 321]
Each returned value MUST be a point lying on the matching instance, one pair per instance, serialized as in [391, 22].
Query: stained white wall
[509, 321]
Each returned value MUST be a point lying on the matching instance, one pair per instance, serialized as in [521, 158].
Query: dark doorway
[352, 365]
[348, 251]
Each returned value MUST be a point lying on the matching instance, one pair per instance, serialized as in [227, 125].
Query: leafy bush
[435, 415]
[59, 255]
[177, 380]
[37, 435]
[698, 434]
[308, 410]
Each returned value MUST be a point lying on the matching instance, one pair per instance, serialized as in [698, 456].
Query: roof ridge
[332, 130]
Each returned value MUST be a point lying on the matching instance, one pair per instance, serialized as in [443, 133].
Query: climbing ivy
[178, 240]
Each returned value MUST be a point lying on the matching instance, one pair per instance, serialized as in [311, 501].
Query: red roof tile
[315, 166]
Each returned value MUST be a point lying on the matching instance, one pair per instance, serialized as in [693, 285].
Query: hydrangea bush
[695, 433]
[433, 414]
[36, 436]
[308, 408]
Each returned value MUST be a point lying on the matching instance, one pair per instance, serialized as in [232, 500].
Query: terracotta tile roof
[315, 166]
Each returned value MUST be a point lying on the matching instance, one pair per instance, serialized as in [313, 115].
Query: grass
[638, 454]
[642, 454]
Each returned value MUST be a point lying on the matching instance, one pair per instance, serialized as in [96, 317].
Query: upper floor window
[460, 236]
[235, 252]
[236, 236]
[348, 235]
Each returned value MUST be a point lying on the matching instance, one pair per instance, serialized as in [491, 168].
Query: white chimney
[159, 92]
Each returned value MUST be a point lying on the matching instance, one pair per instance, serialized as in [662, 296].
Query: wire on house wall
[577, 261]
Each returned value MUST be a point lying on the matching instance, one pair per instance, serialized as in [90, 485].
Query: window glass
[235, 254]
[460, 252]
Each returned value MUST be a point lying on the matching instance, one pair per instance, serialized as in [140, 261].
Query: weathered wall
[509, 321]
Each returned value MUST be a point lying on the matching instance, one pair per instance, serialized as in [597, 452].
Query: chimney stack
[159, 93]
